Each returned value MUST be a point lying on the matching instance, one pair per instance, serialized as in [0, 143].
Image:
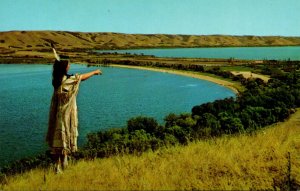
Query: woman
[63, 121]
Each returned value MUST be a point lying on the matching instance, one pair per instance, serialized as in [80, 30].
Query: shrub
[150, 125]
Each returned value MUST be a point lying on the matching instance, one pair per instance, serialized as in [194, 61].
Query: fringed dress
[63, 118]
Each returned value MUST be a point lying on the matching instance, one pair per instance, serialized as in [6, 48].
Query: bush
[150, 125]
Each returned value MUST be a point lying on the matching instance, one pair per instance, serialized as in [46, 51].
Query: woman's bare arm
[85, 76]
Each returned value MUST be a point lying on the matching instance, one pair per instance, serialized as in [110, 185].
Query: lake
[247, 53]
[103, 102]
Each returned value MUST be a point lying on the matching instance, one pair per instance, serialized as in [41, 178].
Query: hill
[266, 159]
[40, 40]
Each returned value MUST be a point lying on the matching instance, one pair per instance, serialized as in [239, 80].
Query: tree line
[261, 104]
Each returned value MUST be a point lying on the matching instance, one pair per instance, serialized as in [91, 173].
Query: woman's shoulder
[71, 77]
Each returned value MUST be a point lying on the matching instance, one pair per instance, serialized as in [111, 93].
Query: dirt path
[252, 75]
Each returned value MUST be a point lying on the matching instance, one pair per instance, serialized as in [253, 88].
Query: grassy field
[34, 46]
[241, 162]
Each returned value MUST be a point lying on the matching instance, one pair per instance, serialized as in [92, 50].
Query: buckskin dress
[63, 117]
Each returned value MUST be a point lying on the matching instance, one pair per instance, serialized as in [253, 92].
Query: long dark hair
[59, 70]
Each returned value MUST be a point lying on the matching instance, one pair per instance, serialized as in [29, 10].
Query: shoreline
[190, 74]
[224, 83]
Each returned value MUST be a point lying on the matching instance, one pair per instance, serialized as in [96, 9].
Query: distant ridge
[39, 40]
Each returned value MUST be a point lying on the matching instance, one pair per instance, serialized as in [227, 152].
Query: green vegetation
[258, 105]
[261, 104]
[267, 159]
[236, 68]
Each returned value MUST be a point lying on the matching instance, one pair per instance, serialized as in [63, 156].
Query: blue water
[103, 101]
[247, 53]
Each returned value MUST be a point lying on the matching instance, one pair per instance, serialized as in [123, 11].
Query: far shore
[224, 83]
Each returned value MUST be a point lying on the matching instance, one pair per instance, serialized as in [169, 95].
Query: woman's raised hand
[90, 74]
[97, 72]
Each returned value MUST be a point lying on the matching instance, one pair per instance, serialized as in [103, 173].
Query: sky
[197, 17]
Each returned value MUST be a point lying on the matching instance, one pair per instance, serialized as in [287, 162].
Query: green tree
[230, 124]
[148, 124]
[207, 125]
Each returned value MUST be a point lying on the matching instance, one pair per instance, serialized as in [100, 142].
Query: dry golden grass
[240, 162]
[37, 40]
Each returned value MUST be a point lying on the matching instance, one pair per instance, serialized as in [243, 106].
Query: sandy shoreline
[224, 83]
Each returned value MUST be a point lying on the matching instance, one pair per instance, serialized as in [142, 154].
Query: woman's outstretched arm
[85, 76]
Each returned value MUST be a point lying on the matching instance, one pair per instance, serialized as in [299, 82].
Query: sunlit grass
[256, 161]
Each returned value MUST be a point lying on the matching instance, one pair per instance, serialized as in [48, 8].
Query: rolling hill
[40, 40]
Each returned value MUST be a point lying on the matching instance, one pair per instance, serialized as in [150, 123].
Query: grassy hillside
[39, 40]
[34, 46]
[243, 162]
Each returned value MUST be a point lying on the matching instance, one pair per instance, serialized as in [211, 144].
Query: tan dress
[63, 118]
